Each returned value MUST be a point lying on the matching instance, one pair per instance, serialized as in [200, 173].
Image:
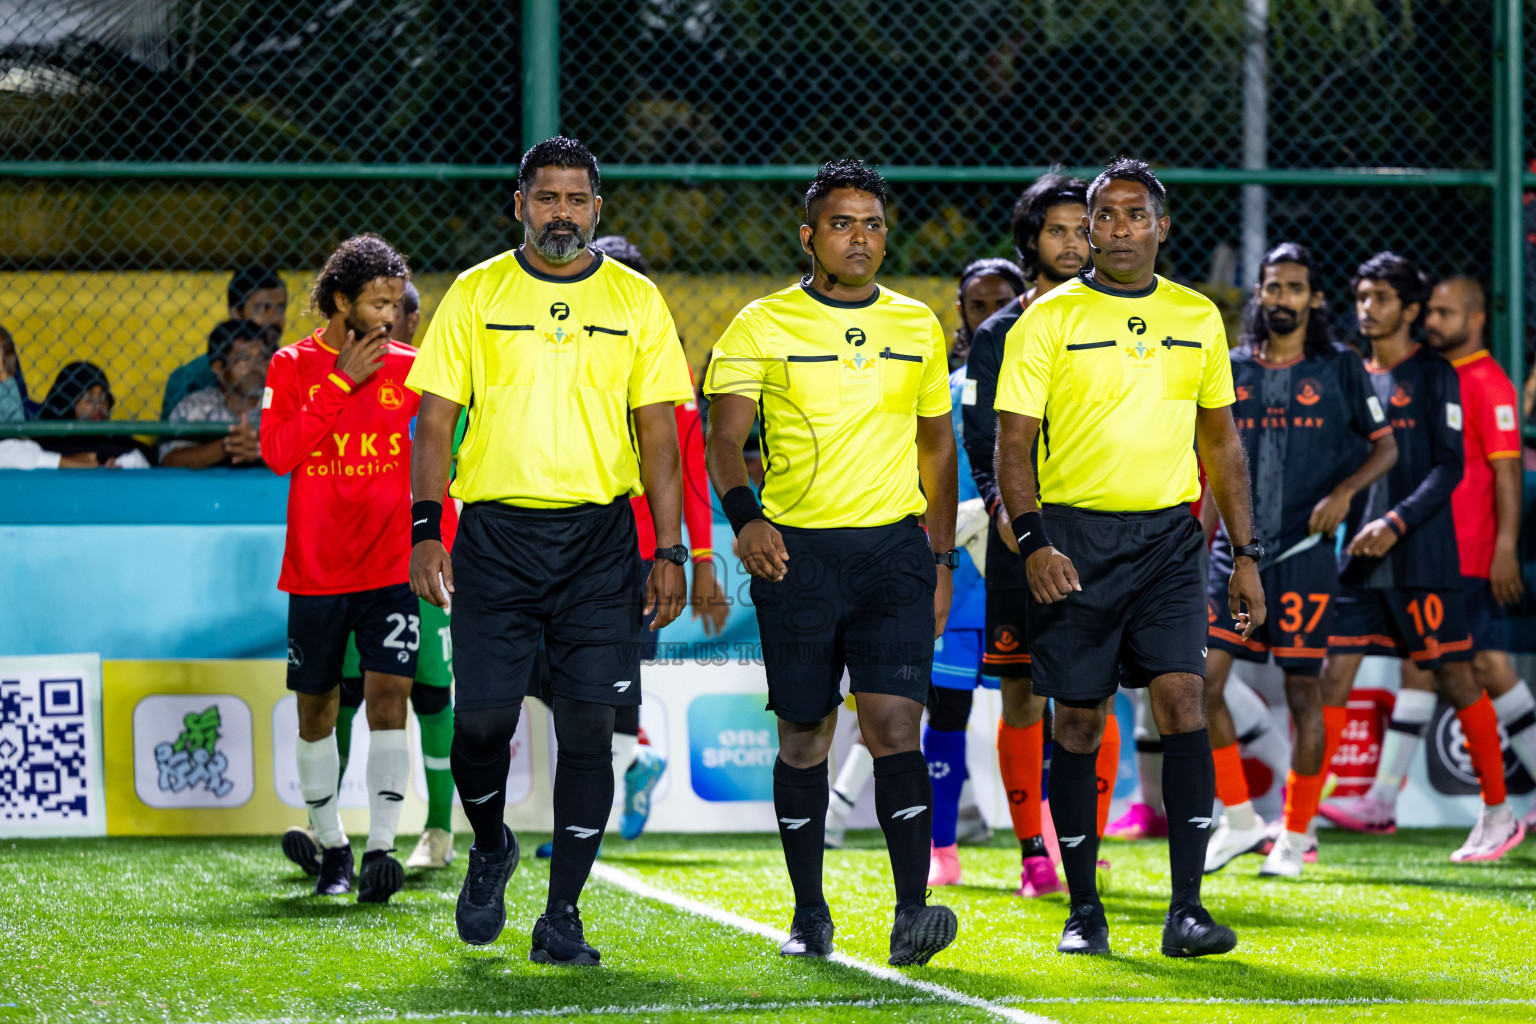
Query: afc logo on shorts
[1005, 639]
[295, 654]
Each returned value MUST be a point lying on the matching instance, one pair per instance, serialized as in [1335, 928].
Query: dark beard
[559, 251]
[1279, 320]
[357, 327]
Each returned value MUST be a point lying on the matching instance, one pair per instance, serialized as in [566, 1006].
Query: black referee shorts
[570, 576]
[1141, 609]
[860, 597]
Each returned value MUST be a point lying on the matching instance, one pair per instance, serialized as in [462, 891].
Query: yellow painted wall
[139, 326]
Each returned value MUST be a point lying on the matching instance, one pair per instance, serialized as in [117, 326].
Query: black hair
[410, 300]
[223, 337]
[1128, 168]
[559, 151]
[1319, 337]
[358, 260]
[249, 280]
[836, 174]
[74, 380]
[619, 248]
[1053, 189]
[1005, 269]
[1402, 273]
[1477, 295]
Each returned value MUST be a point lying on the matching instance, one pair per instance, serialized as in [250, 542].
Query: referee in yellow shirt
[851, 381]
[570, 366]
[1124, 376]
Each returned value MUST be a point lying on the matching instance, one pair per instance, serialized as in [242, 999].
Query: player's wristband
[1396, 522]
[426, 521]
[741, 507]
[1029, 531]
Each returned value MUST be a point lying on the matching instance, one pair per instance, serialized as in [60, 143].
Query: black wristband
[1029, 531]
[426, 521]
[741, 507]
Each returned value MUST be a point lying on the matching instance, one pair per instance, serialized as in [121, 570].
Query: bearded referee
[570, 366]
[1124, 376]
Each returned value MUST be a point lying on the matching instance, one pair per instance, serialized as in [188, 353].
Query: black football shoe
[335, 871]
[300, 847]
[482, 909]
[810, 934]
[1087, 930]
[380, 877]
[919, 933]
[558, 939]
[1189, 931]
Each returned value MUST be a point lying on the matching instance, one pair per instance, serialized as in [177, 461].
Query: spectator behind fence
[81, 392]
[238, 353]
[14, 404]
[408, 317]
[255, 293]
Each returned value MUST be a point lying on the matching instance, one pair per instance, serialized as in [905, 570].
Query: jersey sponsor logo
[559, 336]
[1504, 417]
[1141, 350]
[794, 823]
[266, 398]
[1403, 396]
[854, 337]
[1136, 325]
[582, 833]
[1374, 404]
[1311, 392]
[1453, 415]
[560, 311]
[859, 364]
[908, 813]
[390, 395]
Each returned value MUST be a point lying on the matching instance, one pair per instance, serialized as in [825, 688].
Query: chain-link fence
[148, 148]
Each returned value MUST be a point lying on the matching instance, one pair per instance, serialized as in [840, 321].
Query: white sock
[1149, 751]
[389, 772]
[1517, 714]
[1411, 712]
[624, 748]
[319, 778]
[857, 770]
[968, 799]
[1298, 839]
[1240, 817]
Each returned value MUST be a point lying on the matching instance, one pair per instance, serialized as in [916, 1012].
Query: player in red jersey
[337, 416]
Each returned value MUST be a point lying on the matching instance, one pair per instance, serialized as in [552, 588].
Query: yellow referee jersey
[839, 387]
[1115, 378]
[550, 368]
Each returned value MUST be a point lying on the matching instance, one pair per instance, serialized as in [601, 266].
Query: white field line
[625, 880]
[615, 1010]
[1225, 1001]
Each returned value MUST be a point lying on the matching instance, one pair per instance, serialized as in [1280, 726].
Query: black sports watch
[1253, 550]
[678, 554]
[950, 558]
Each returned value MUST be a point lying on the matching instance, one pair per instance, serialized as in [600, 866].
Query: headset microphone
[1088, 237]
[816, 261]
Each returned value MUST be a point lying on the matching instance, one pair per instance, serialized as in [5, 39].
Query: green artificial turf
[179, 930]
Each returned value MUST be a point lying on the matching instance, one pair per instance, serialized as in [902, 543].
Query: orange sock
[1231, 783]
[1302, 793]
[1108, 766]
[1333, 734]
[1021, 756]
[1480, 725]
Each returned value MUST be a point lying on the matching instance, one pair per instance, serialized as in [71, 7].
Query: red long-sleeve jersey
[348, 447]
[697, 514]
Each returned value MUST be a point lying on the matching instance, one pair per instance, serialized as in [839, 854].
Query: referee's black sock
[1075, 813]
[1189, 793]
[583, 794]
[480, 757]
[904, 803]
[800, 804]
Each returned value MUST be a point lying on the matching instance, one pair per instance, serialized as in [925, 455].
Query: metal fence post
[541, 70]
[1508, 214]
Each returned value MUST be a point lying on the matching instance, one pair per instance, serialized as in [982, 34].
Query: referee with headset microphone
[1124, 376]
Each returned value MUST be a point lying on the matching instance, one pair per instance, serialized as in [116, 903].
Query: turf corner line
[625, 880]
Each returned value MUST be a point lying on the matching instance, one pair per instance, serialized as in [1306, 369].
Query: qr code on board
[43, 761]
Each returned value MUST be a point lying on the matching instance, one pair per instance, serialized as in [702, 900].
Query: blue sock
[1045, 772]
[945, 754]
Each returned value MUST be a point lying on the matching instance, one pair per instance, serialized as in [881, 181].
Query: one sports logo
[1071, 841]
[622, 685]
[854, 337]
[481, 799]
[391, 795]
[560, 311]
[1136, 325]
[938, 769]
[581, 833]
[794, 823]
[295, 655]
[908, 813]
[1200, 822]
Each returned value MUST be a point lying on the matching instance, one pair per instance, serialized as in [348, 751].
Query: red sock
[1021, 756]
[1333, 735]
[1231, 783]
[1302, 793]
[1108, 766]
[1480, 725]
